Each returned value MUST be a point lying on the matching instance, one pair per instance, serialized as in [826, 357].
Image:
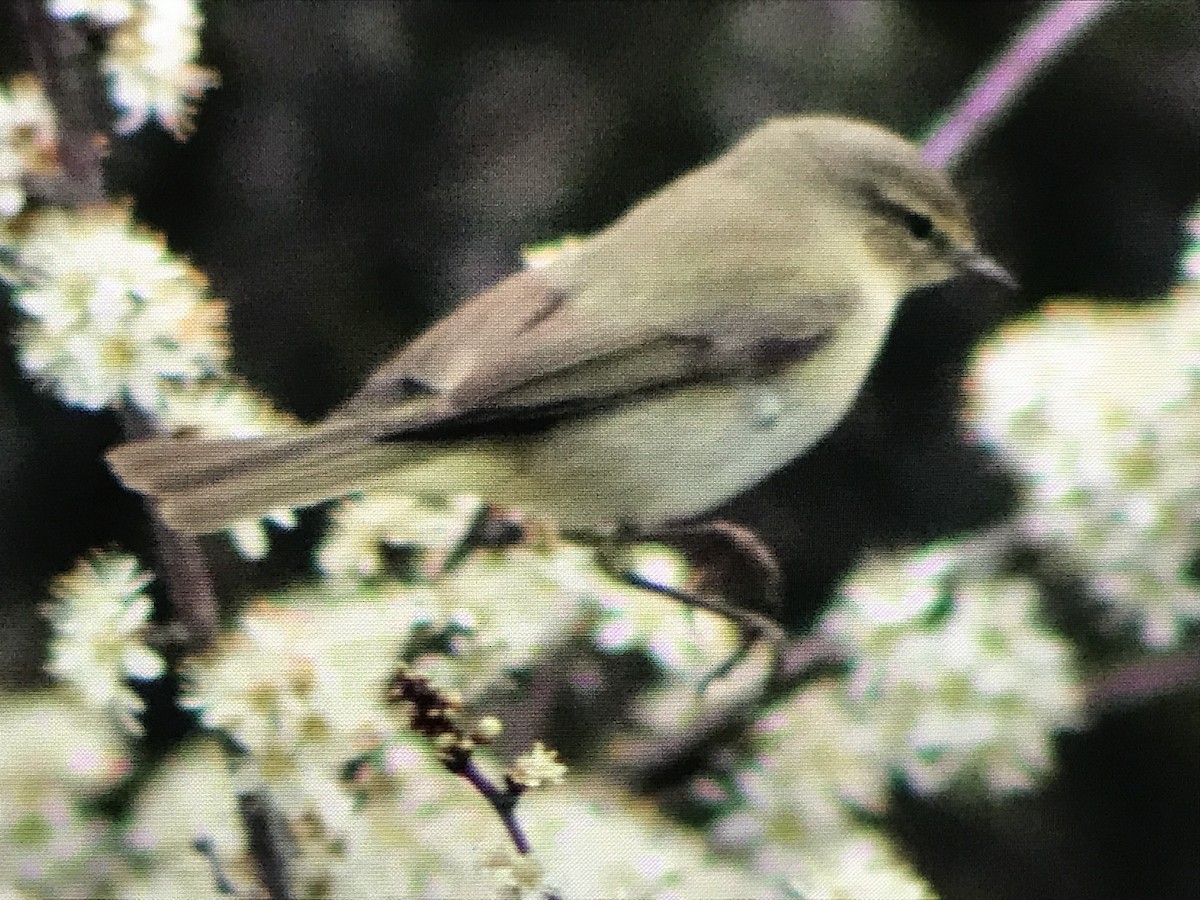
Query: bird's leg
[705, 542]
[747, 561]
[700, 542]
[493, 528]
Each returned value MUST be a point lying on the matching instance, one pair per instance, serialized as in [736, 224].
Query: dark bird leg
[736, 575]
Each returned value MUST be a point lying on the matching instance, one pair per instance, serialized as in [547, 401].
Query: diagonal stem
[997, 88]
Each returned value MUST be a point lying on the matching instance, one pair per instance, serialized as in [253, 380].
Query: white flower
[152, 69]
[605, 844]
[503, 610]
[363, 527]
[151, 58]
[538, 767]
[431, 835]
[421, 833]
[102, 12]
[221, 408]
[99, 616]
[973, 689]
[818, 768]
[305, 680]
[1096, 407]
[57, 756]
[250, 537]
[189, 796]
[898, 591]
[113, 315]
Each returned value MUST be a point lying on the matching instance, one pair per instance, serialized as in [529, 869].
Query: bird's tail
[200, 486]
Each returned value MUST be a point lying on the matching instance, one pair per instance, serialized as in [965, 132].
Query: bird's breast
[676, 455]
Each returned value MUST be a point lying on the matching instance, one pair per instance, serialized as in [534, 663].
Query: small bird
[715, 331]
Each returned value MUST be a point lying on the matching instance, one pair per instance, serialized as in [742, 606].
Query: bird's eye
[918, 224]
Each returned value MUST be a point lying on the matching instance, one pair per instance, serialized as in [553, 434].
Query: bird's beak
[971, 260]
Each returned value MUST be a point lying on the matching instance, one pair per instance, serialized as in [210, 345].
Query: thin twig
[57, 52]
[799, 661]
[205, 847]
[997, 88]
[267, 839]
[1134, 683]
[502, 800]
[438, 716]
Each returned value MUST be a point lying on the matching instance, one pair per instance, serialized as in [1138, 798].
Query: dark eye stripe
[918, 224]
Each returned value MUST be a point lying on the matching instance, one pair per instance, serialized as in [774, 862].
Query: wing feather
[622, 315]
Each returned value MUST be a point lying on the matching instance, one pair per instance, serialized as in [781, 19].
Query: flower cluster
[815, 769]
[190, 800]
[952, 669]
[105, 13]
[560, 584]
[429, 837]
[364, 527]
[111, 315]
[951, 680]
[304, 678]
[1095, 407]
[300, 689]
[220, 408]
[57, 756]
[150, 62]
[99, 615]
[801, 799]
[597, 842]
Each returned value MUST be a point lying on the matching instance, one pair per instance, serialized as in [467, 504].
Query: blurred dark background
[365, 165]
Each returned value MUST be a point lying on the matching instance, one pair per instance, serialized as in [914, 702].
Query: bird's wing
[669, 295]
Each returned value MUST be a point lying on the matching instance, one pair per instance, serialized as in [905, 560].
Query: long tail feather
[200, 486]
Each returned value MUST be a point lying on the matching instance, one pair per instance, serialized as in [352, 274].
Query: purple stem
[58, 51]
[1145, 679]
[997, 88]
[504, 802]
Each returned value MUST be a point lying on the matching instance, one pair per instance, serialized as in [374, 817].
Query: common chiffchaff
[711, 334]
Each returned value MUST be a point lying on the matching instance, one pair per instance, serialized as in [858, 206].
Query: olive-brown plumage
[715, 331]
